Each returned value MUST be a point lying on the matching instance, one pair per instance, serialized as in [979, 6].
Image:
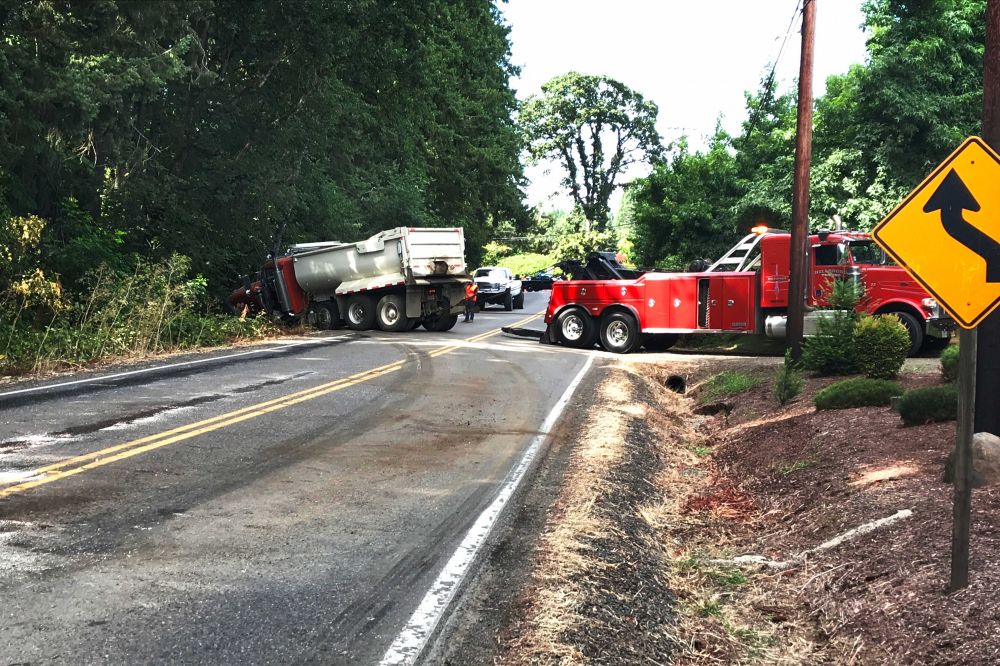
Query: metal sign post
[963, 460]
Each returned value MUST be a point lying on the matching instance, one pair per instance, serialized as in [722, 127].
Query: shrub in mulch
[881, 345]
[929, 405]
[788, 381]
[949, 363]
[857, 392]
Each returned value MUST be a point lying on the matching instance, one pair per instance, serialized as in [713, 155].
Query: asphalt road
[290, 503]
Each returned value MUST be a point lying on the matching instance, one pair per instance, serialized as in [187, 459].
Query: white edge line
[90, 380]
[412, 640]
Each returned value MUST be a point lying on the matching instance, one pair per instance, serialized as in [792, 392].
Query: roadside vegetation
[152, 152]
[749, 517]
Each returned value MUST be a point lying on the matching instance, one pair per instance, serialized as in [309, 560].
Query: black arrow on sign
[951, 198]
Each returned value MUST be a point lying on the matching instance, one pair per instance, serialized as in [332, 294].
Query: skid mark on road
[83, 463]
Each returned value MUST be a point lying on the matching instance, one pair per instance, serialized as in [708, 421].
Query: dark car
[537, 282]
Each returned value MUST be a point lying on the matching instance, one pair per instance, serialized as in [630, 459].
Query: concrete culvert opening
[676, 383]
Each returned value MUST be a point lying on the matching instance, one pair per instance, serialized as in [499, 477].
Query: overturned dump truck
[394, 281]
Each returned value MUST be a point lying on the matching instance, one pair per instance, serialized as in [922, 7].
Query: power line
[769, 83]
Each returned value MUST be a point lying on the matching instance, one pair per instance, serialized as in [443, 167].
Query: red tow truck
[745, 291]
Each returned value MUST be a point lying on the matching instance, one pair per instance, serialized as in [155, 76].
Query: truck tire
[440, 323]
[519, 301]
[619, 332]
[414, 323]
[508, 301]
[327, 315]
[575, 328]
[914, 328]
[360, 315]
[661, 342]
[390, 313]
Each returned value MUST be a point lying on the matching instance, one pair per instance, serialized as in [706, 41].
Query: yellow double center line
[82, 463]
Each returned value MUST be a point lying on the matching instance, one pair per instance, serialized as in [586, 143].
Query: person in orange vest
[470, 301]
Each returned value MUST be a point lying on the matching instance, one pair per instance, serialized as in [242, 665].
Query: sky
[694, 58]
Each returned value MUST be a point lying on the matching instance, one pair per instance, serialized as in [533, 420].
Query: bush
[831, 351]
[788, 382]
[949, 363]
[927, 405]
[880, 346]
[857, 392]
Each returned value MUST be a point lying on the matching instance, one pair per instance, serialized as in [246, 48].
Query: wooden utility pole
[988, 358]
[979, 365]
[800, 185]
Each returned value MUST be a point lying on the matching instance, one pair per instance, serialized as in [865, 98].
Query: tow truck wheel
[575, 328]
[413, 323]
[914, 329]
[440, 323]
[619, 332]
[519, 301]
[390, 313]
[360, 313]
[508, 301]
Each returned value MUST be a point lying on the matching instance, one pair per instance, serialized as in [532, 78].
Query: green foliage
[579, 245]
[575, 120]
[949, 363]
[729, 382]
[788, 381]
[200, 126]
[682, 210]
[929, 404]
[493, 252]
[881, 345]
[857, 392]
[155, 308]
[878, 130]
[527, 264]
[832, 351]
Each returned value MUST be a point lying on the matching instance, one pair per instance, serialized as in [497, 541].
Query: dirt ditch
[638, 560]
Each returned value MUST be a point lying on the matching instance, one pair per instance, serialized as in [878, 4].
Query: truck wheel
[663, 342]
[508, 302]
[360, 313]
[519, 301]
[914, 329]
[327, 316]
[414, 323]
[481, 305]
[619, 332]
[440, 323]
[575, 328]
[390, 313]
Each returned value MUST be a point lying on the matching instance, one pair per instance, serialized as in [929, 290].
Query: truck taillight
[929, 304]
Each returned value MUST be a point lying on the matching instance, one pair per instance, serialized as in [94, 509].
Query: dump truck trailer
[745, 291]
[394, 281]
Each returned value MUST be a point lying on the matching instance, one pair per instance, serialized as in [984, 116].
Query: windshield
[492, 273]
[867, 252]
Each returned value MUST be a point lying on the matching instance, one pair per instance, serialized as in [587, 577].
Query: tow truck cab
[745, 291]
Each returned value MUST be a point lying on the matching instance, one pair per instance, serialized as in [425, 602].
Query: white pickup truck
[498, 285]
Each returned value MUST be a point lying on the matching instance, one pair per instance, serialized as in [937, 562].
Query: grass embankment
[659, 494]
[154, 310]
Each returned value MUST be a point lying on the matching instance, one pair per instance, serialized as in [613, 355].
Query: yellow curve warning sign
[946, 233]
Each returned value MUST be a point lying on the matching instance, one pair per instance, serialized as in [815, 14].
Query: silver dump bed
[400, 256]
